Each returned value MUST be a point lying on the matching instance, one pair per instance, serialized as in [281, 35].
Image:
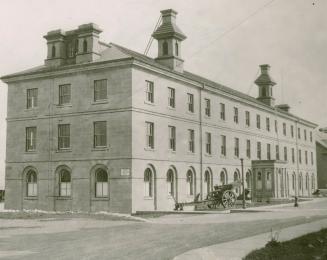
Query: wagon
[221, 195]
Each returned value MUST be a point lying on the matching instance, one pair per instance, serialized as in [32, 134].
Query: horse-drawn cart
[221, 195]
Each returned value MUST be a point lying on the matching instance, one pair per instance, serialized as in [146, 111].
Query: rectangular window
[276, 126]
[267, 124]
[191, 140]
[310, 136]
[190, 102]
[208, 143]
[312, 158]
[277, 152]
[30, 139]
[284, 129]
[222, 111]
[207, 107]
[292, 131]
[223, 145]
[247, 118]
[299, 133]
[293, 155]
[268, 152]
[300, 156]
[100, 89]
[306, 157]
[149, 92]
[171, 97]
[64, 94]
[285, 153]
[259, 150]
[236, 115]
[32, 98]
[236, 147]
[305, 134]
[258, 122]
[100, 134]
[172, 138]
[150, 135]
[63, 136]
[248, 149]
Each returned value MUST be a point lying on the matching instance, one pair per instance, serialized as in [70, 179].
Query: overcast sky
[227, 40]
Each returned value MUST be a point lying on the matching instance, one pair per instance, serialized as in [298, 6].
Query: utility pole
[243, 190]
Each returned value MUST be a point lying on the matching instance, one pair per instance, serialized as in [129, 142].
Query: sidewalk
[235, 250]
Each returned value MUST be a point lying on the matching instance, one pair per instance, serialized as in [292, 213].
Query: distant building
[321, 146]
[101, 127]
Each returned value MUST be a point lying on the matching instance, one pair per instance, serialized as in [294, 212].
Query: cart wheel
[228, 199]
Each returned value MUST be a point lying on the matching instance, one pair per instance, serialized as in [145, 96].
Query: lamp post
[243, 200]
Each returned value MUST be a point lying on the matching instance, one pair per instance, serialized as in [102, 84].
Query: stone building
[321, 145]
[101, 127]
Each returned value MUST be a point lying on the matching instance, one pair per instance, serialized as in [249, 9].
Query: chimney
[56, 48]
[284, 107]
[265, 84]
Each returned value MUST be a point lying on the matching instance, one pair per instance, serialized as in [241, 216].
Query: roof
[116, 52]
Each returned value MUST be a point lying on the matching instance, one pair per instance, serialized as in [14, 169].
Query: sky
[226, 41]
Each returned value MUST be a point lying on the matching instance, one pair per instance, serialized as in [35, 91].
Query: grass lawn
[311, 246]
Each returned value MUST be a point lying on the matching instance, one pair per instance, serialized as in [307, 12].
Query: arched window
[101, 183]
[176, 49]
[300, 182]
[170, 182]
[313, 185]
[236, 178]
[190, 182]
[64, 183]
[53, 51]
[259, 181]
[31, 179]
[293, 181]
[223, 178]
[84, 46]
[148, 183]
[268, 180]
[207, 180]
[248, 180]
[165, 48]
[307, 181]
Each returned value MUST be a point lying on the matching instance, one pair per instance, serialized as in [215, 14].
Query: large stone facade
[143, 177]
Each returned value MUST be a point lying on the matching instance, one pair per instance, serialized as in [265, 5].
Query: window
[312, 158]
[268, 152]
[292, 131]
[84, 46]
[172, 138]
[277, 152]
[223, 178]
[76, 47]
[176, 49]
[299, 133]
[306, 157]
[236, 115]
[165, 48]
[305, 134]
[236, 178]
[149, 91]
[267, 124]
[248, 180]
[285, 153]
[148, 185]
[307, 181]
[259, 181]
[300, 182]
[191, 140]
[248, 149]
[276, 126]
[190, 182]
[259, 150]
[208, 143]
[53, 52]
[236, 147]
[223, 145]
[70, 50]
[100, 134]
[171, 97]
[31, 179]
[170, 182]
[64, 94]
[310, 136]
[100, 89]
[150, 135]
[284, 129]
[268, 180]
[190, 102]
[222, 111]
[32, 98]
[247, 118]
[30, 139]
[293, 181]
[207, 180]
[293, 155]
[101, 183]
[313, 183]
[258, 122]
[63, 136]
[300, 156]
[64, 183]
[207, 107]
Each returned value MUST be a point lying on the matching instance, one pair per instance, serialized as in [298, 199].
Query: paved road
[166, 237]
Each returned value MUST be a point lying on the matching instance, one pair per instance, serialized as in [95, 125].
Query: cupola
[265, 84]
